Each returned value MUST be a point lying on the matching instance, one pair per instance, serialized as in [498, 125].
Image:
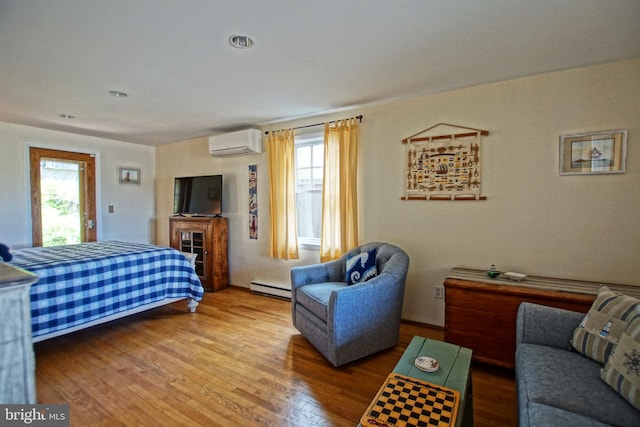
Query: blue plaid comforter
[81, 283]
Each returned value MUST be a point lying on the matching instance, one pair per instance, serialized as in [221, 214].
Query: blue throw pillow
[5, 254]
[361, 267]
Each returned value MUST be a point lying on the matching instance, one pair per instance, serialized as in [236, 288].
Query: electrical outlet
[437, 292]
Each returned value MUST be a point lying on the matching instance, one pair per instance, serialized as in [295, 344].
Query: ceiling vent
[248, 141]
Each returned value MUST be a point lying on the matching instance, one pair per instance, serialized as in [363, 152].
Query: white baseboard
[271, 289]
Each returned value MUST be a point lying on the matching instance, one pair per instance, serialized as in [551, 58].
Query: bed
[91, 283]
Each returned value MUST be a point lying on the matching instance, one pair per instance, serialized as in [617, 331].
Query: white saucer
[427, 364]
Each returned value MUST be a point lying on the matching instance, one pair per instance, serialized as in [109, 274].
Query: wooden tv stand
[480, 312]
[208, 238]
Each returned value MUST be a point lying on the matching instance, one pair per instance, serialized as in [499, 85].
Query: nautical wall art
[443, 162]
[253, 202]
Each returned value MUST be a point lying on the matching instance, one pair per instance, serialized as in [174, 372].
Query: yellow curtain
[339, 189]
[282, 191]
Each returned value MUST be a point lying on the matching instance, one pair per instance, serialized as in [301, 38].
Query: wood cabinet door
[218, 250]
[195, 237]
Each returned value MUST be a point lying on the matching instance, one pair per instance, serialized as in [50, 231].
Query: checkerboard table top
[405, 401]
[453, 373]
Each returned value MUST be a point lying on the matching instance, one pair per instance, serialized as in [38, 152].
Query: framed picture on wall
[593, 152]
[129, 176]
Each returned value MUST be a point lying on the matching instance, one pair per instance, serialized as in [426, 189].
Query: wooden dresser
[17, 364]
[480, 312]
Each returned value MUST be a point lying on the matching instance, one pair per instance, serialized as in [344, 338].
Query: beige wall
[248, 258]
[533, 221]
[133, 219]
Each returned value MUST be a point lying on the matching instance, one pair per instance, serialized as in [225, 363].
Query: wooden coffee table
[454, 372]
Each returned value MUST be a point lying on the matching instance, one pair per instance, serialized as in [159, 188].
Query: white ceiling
[184, 80]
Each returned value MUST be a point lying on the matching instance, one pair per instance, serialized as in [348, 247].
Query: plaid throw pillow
[603, 325]
[622, 371]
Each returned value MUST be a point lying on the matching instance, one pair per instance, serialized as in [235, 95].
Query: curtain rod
[266, 132]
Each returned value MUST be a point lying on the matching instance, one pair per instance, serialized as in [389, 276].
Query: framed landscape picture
[593, 152]
[130, 176]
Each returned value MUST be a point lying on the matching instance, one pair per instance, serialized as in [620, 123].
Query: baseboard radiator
[271, 290]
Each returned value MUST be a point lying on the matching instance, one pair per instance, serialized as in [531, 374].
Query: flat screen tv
[198, 195]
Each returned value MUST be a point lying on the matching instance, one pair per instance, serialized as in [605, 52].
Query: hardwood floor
[237, 361]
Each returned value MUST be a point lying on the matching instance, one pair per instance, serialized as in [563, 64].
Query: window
[309, 163]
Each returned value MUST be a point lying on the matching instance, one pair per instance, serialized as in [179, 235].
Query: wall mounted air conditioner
[248, 141]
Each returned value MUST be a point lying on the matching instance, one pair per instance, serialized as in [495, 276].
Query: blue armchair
[347, 322]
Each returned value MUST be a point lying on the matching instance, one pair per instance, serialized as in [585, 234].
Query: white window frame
[308, 138]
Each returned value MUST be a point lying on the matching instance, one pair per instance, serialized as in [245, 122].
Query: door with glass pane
[63, 205]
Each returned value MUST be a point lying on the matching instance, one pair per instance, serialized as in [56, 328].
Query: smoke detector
[240, 41]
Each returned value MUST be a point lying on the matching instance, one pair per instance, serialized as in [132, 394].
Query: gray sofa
[344, 322]
[557, 386]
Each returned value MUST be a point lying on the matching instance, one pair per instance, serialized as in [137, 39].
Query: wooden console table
[480, 312]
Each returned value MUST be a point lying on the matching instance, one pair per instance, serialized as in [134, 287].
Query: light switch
[111, 209]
